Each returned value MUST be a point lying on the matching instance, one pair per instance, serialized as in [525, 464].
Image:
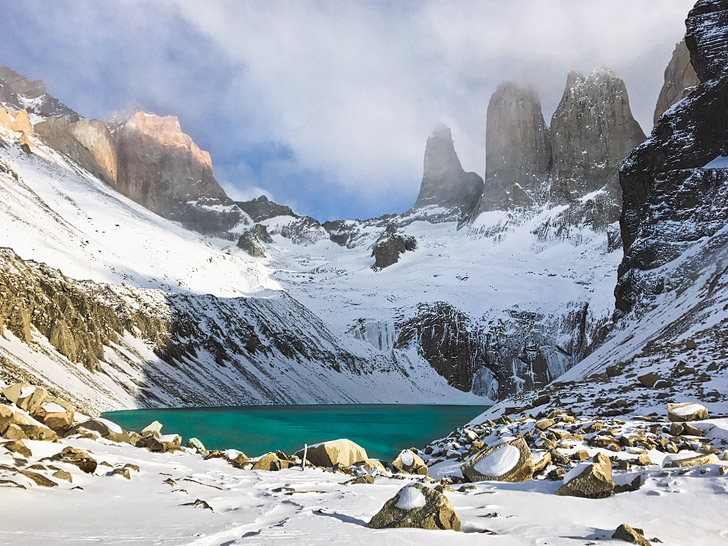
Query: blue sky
[326, 106]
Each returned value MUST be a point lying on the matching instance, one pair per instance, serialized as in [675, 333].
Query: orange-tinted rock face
[96, 138]
[16, 121]
[161, 168]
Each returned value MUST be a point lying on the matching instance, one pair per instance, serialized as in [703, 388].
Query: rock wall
[680, 77]
[517, 151]
[32, 96]
[671, 201]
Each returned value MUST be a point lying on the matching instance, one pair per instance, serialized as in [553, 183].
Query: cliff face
[675, 194]
[517, 151]
[680, 77]
[444, 183]
[161, 168]
[592, 131]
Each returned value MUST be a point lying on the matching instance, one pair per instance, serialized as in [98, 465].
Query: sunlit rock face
[444, 183]
[592, 131]
[676, 183]
[517, 151]
[161, 168]
[680, 77]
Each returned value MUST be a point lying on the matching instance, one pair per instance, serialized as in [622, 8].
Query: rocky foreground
[541, 476]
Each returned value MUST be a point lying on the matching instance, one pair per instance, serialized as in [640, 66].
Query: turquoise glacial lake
[382, 429]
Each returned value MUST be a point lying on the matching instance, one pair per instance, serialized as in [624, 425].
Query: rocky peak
[517, 150]
[21, 93]
[680, 76]
[675, 200]
[163, 169]
[444, 182]
[261, 208]
[592, 131]
[706, 38]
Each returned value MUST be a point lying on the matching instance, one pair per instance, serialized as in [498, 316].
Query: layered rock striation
[675, 194]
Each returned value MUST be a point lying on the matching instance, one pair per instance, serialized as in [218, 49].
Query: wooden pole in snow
[305, 452]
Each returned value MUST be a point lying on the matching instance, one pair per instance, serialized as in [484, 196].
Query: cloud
[328, 104]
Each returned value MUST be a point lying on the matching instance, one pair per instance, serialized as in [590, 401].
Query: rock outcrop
[252, 241]
[444, 183]
[517, 151]
[672, 196]
[87, 142]
[680, 78]
[32, 96]
[592, 131]
[387, 251]
[261, 208]
[161, 168]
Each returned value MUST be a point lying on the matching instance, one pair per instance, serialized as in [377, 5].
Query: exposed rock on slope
[592, 131]
[672, 203]
[21, 93]
[261, 208]
[161, 168]
[680, 77]
[387, 251]
[87, 142]
[252, 241]
[444, 183]
[517, 151]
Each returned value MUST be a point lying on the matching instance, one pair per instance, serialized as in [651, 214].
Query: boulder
[269, 461]
[545, 424]
[589, 480]
[105, 428]
[410, 463]
[510, 461]
[370, 466]
[327, 454]
[682, 460]
[161, 444]
[14, 432]
[19, 447]
[686, 412]
[76, 457]
[417, 506]
[632, 535]
[361, 480]
[55, 414]
[38, 479]
[34, 430]
[197, 445]
[24, 395]
[63, 475]
[649, 379]
[10, 417]
[154, 428]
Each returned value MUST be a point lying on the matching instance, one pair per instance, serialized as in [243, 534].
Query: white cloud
[354, 88]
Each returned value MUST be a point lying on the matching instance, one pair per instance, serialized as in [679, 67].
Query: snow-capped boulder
[690, 411]
[55, 414]
[24, 395]
[410, 463]
[418, 506]
[343, 452]
[198, 446]
[100, 427]
[19, 447]
[510, 461]
[589, 480]
[154, 428]
[269, 461]
[160, 444]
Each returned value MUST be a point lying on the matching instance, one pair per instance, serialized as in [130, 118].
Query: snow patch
[499, 462]
[410, 498]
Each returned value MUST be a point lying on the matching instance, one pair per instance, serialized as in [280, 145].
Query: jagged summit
[680, 77]
[18, 92]
[592, 131]
[517, 150]
[444, 183]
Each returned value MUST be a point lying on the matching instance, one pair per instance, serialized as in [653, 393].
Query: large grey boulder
[507, 462]
[418, 506]
[592, 131]
[680, 78]
[517, 151]
[444, 182]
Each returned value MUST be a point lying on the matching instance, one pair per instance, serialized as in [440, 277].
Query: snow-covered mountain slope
[172, 318]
